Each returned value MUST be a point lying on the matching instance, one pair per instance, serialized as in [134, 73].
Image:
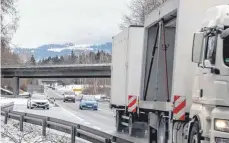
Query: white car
[38, 101]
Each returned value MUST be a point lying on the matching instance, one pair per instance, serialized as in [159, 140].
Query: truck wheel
[118, 125]
[161, 135]
[194, 134]
[130, 125]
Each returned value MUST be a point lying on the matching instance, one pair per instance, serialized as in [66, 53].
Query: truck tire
[118, 125]
[161, 134]
[194, 134]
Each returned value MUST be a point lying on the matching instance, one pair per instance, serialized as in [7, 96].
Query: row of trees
[76, 58]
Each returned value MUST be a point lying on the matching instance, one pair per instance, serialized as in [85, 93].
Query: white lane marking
[69, 111]
[55, 93]
[72, 113]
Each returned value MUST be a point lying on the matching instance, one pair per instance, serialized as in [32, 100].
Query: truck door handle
[201, 92]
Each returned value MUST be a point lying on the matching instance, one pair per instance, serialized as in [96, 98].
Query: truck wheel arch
[194, 119]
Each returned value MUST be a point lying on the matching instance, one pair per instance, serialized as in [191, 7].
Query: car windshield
[69, 93]
[38, 97]
[89, 98]
[226, 50]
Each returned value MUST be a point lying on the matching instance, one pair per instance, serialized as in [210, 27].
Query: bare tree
[9, 20]
[138, 10]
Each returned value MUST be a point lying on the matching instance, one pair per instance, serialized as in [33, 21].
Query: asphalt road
[102, 119]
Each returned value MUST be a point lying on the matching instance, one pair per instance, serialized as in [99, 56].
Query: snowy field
[32, 134]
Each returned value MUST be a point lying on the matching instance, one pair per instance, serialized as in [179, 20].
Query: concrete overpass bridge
[55, 71]
[58, 71]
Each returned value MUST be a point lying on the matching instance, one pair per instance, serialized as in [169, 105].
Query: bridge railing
[74, 129]
[49, 66]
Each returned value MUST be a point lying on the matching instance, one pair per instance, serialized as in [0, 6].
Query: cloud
[60, 21]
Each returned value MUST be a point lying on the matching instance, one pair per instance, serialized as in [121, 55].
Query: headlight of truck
[222, 125]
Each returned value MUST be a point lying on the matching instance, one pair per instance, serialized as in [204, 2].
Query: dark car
[88, 102]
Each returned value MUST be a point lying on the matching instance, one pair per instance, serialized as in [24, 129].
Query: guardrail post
[77, 134]
[107, 140]
[6, 117]
[113, 139]
[21, 122]
[54, 101]
[73, 134]
[44, 127]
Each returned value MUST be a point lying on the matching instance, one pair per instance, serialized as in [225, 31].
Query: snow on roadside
[18, 101]
[32, 134]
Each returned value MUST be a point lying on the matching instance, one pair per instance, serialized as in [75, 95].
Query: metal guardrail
[74, 129]
[7, 106]
[56, 66]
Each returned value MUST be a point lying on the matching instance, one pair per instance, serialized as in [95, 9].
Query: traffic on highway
[163, 77]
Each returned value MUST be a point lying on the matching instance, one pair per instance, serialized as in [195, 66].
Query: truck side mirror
[197, 47]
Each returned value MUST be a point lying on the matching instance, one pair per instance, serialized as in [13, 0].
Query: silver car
[38, 101]
[69, 96]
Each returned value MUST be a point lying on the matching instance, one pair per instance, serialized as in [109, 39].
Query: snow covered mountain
[52, 50]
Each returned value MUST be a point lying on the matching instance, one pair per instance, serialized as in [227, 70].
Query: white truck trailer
[184, 88]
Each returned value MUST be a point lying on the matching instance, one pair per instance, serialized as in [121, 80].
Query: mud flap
[152, 128]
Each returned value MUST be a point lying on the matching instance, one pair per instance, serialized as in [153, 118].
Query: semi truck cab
[210, 98]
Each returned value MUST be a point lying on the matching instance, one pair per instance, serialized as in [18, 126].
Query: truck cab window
[226, 50]
[211, 49]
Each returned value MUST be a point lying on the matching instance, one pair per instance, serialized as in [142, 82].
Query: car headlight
[95, 104]
[222, 125]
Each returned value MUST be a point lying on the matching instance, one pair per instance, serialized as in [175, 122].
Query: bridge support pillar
[16, 86]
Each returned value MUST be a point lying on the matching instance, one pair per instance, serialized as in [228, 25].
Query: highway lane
[102, 119]
[52, 112]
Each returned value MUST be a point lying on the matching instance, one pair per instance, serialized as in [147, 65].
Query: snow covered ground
[32, 134]
[18, 101]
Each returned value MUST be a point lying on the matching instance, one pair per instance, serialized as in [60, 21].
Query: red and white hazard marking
[179, 107]
[132, 103]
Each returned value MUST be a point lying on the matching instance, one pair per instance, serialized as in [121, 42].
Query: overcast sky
[60, 21]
